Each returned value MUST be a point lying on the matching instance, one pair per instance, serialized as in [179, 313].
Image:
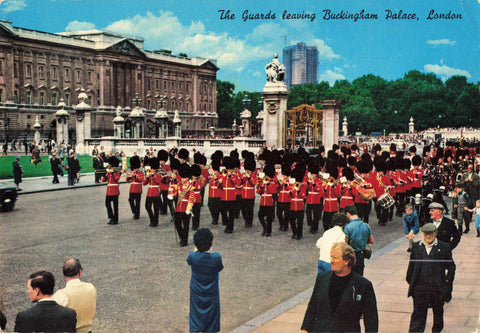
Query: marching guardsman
[364, 206]
[201, 160]
[198, 183]
[136, 178]
[406, 174]
[214, 191]
[164, 172]
[416, 174]
[111, 200]
[392, 189]
[228, 183]
[314, 198]
[381, 184]
[249, 181]
[267, 187]
[185, 201]
[172, 187]
[238, 194]
[332, 192]
[284, 198]
[184, 156]
[298, 194]
[153, 180]
[346, 188]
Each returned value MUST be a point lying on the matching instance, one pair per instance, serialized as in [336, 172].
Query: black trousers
[283, 214]
[422, 299]
[382, 214]
[134, 200]
[55, 176]
[230, 208]
[296, 222]
[196, 209]
[327, 220]
[164, 203]
[153, 214]
[364, 210]
[360, 262]
[182, 223]
[400, 203]
[238, 199]
[314, 214]
[266, 215]
[214, 208]
[247, 211]
[111, 202]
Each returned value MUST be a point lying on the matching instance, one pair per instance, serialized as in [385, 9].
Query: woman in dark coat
[17, 172]
[204, 290]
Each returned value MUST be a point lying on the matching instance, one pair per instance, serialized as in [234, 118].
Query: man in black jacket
[46, 315]
[341, 297]
[430, 274]
[55, 167]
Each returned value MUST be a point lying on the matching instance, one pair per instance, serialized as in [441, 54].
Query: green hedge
[42, 169]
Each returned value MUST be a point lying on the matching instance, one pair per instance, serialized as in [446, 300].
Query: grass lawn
[42, 169]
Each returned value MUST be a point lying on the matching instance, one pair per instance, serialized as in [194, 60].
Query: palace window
[15, 96]
[78, 75]
[1, 67]
[15, 70]
[28, 97]
[41, 72]
[157, 84]
[28, 70]
[89, 77]
[42, 98]
[54, 73]
[148, 84]
[1, 95]
[54, 98]
[67, 74]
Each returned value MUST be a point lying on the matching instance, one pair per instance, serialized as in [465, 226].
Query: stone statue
[275, 70]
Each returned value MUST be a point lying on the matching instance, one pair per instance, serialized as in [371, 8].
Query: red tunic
[229, 185]
[153, 182]
[112, 186]
[266, 192]
[214, 190]
[248, 186]
[298, 195]
[332, 193]
[346, 195]
[314, 190]
[136, 178]
[165, 182]
[284, 192]
[186, 197]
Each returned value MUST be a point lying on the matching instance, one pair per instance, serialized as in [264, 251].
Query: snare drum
[386, 200]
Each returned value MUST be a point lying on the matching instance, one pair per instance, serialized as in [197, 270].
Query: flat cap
[428, 227]
[435, 205]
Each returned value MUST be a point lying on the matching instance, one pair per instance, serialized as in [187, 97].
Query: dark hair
[339, 219]
[71, 267]
[203, 239]
[351, 209]
[43, 280]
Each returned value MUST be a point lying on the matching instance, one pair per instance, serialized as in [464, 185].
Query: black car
[8, 196]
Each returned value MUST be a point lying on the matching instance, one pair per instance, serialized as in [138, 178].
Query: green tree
[225, 103]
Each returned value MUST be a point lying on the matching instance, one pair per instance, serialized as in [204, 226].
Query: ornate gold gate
[303, 126]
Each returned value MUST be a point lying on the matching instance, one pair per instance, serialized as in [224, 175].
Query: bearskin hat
[183, 154]
[440, 152]
[354, 147]
[216, 164]
[331, 168]
[400, 154]
[298, 174]
[412, 149]
[249, 164]
[228, 162]
[313, 168]
[174, 163]
[185, 171]
[234, 154]
[245, 154]
[286, 169]
[364, 166]
[335, 147]
[162, 155]
[416, 160]
[134, 162]
[393, 147]
[196, 170]
[352, 161]
[348, 173]
[377, 147]
[154, 163]
[269, 170]
[381, 165]
[391, 165]
[113, 161]
[236, 162]
[407, 163]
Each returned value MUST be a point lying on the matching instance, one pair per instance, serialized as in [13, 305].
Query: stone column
[345, 126]
[274, 106]
[83, 123]
[411, 126]
[330, 123]
[37, 127]
[62, 123]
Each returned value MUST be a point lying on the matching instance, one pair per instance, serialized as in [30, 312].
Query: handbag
[367, 253]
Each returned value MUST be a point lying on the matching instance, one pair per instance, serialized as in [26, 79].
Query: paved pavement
[386, 270]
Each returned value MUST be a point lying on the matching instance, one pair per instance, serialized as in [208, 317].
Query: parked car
[8, 197]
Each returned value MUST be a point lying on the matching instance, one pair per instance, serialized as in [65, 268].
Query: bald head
[72, 267]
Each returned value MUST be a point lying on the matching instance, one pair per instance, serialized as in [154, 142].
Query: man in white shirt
[78, 295]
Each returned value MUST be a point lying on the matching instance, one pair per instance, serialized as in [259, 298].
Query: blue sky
[385, 47]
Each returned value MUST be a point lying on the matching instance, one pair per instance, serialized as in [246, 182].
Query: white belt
[229, 188]
[266, 195]
[112, 184]
[248, 188]
[135, 183]
[154, 186]
[346, 197]
[331, 199]
[295, 199]
[213, 187]
[284, 191]
[313, 192]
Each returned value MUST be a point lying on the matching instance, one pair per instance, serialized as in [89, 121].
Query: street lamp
[245, 102]
[136, 101]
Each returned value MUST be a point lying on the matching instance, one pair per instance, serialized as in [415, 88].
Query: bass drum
[386, 200]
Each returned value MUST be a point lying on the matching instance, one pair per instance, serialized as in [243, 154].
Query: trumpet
[330, 181]
[224, 172]
[266, 180]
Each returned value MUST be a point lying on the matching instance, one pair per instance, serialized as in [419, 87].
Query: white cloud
[324, 51]
[77, 25]
[265, 32]
[165, 31]
[330, 76]
[13, 5]
[436, 42]
[445, 72]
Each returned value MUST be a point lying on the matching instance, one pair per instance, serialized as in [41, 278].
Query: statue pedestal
[274, 105]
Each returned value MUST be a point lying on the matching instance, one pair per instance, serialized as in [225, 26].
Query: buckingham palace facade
[39, 70]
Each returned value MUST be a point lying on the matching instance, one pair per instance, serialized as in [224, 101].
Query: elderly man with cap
[446, 230]
[430, 274]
